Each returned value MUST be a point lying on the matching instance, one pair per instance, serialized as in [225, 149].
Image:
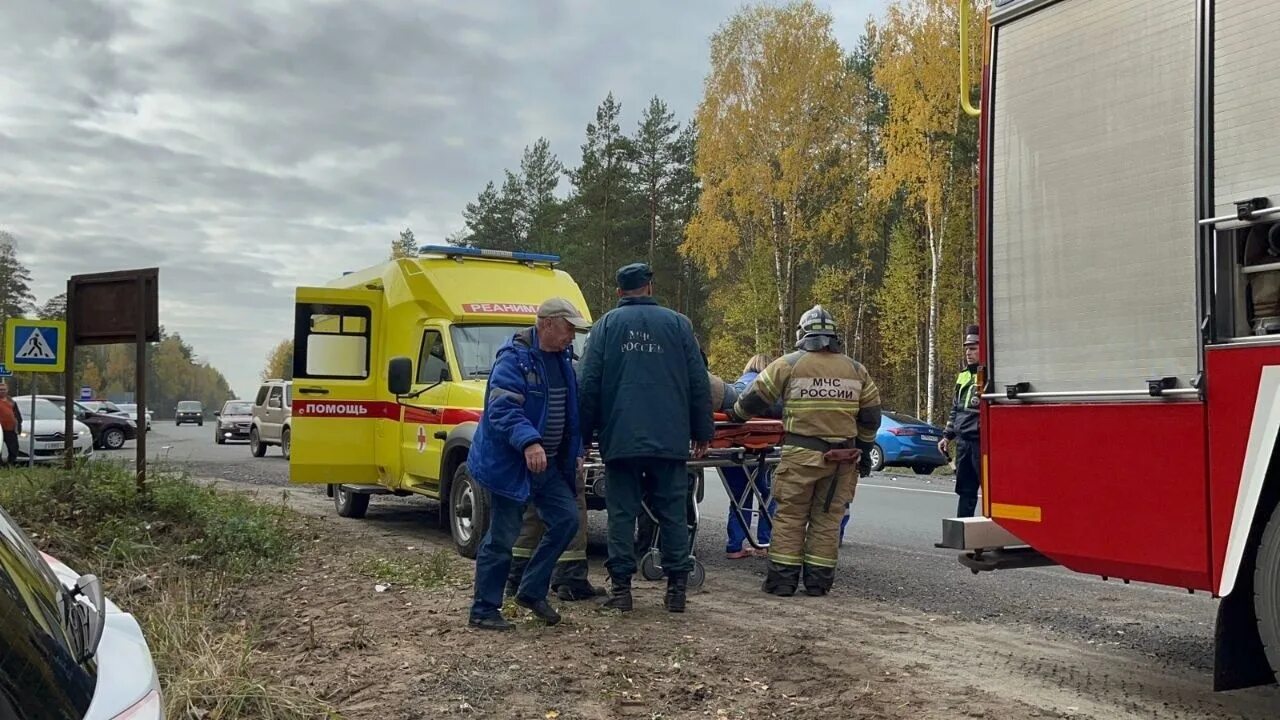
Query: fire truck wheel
[1266, 590]
[468, 512]
[350, 504]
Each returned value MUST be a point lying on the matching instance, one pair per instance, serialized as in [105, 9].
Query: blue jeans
[844, 522]
[736, 479]
[552, 497]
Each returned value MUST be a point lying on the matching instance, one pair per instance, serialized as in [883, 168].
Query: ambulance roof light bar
[458, 253]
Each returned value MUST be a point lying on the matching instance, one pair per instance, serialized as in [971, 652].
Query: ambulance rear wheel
[350, 504]
[1266, 591]
[468, 512]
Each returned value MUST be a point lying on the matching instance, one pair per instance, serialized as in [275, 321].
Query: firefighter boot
[515, 575]
[818, 580]
[570, 581]
[782, 579]
[677, 589]
[619, 594]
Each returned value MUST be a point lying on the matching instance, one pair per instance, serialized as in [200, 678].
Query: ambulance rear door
[336, 407]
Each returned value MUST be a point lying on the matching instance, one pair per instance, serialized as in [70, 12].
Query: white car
[82, 656]
[131, 409]
[49, 426]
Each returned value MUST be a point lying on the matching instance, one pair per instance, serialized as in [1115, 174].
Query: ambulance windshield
[476, 345]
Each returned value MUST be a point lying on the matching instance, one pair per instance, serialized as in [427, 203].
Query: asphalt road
[888, 556]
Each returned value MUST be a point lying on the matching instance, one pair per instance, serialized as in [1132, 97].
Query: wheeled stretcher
[753, 446]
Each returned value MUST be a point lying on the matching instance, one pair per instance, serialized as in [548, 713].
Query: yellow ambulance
[389, 374]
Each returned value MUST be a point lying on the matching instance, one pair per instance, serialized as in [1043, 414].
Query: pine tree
[542, 214]
[654, 150]
[404, 246]
[603, 203]
[16, 298]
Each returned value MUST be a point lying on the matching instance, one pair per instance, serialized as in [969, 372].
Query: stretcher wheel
[698, 575]
[651, 565]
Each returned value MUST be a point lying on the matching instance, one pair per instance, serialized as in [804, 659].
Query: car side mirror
[217, 413]
[400, 375]
[89, 587]
[444, 375]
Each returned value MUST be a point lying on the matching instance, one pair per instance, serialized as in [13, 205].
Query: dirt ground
[379, 649]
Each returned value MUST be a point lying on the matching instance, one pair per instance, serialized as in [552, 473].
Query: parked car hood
[50, 427]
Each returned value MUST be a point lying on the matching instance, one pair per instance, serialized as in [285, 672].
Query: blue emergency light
[460, 252]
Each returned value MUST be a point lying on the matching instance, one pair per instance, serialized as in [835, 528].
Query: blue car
[905, 441]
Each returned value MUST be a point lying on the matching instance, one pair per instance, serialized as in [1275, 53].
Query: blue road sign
[36, 345]
[4, 371]
[86, 393]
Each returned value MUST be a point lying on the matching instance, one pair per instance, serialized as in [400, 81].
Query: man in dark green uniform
[644, 389]
[962, 428]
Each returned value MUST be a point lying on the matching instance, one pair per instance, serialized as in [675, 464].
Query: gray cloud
[246, 148]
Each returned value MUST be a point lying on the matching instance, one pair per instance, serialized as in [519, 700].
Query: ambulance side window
[432, 364]
[332, 341]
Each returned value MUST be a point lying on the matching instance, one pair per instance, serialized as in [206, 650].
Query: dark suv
[189, 411]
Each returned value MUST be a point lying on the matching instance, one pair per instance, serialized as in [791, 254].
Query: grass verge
[169, 556]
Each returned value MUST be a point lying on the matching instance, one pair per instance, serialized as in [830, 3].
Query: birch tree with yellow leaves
[777, 126]
[917, 70]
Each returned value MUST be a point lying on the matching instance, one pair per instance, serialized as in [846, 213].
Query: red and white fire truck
[1129, 246]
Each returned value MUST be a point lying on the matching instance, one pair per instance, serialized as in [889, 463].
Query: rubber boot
[515, 575]
[677, 592]
[619, 595]
[818, 580]
[782, 580]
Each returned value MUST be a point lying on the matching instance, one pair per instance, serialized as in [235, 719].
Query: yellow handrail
[966, 102]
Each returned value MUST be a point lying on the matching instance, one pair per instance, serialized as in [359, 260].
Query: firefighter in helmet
[962, 428]
[831, 411]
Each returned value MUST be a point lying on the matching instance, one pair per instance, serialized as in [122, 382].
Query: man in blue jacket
[644, 387]
[528, 449]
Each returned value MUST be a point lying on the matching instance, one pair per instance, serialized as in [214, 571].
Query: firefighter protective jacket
[824, 395]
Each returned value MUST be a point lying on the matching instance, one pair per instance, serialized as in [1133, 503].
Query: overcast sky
[245, 147]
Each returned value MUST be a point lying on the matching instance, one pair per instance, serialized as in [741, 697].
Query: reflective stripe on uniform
[781, 559]
[819, 561]
[572, 556]
[522, 553]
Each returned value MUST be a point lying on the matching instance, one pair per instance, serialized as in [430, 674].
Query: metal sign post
[31, 436]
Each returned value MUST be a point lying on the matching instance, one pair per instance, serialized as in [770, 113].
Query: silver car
[272, 417]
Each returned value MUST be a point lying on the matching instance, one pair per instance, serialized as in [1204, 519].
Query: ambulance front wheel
[350, 504]
[468, 512]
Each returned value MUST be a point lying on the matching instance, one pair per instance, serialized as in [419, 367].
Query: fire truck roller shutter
[1087, 220]
[1246, 102]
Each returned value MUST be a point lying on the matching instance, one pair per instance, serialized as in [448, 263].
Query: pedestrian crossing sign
[35, 345]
